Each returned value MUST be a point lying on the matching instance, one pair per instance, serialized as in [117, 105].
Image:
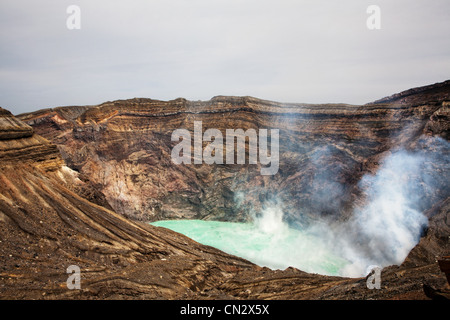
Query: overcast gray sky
[306, 51]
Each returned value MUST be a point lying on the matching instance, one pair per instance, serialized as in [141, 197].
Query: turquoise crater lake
[270, 245]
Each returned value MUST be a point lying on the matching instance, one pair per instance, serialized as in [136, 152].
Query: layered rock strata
[124, 149]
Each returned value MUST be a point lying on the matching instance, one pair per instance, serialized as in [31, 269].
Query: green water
[275, 249]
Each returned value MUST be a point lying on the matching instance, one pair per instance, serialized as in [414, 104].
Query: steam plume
[389, 224]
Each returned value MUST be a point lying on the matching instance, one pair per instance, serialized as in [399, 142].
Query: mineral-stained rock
[124, 149]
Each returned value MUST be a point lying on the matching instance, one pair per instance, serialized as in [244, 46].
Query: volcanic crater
[80, 184]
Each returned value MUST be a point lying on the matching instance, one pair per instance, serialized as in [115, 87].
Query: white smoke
[281, 246]
[385, 230]
[271, 220]
[381, 232]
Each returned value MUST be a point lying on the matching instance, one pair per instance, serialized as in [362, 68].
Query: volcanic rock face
[46, 226]
[70, 207]
[18, 143]
[123, 148]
